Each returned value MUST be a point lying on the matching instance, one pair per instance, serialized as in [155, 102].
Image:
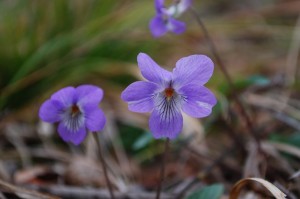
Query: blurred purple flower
[165, 21]
[167, 94]
[76, 110]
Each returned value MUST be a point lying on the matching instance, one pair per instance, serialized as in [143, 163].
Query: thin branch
[103, 165]
[221, 64]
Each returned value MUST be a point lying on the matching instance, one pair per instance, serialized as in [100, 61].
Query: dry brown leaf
[31, 174]
[292, 150]
[84, 171]
[240, 184]
[295, 175]
[253, 161]
[23, 193]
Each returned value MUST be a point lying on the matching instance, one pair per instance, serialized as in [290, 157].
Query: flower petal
[86, 94]
[162, 126]
[157, 26]
[138, 90]
[176, 26]
[65, 96]
[141, 106]
[197, 100]
[95, 118]
[139, 96]
[69, 136]
[152, 71]
[159, 5]
[50, 111]
[194, 69]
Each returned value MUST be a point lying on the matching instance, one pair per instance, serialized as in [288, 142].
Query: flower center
[75, 110]
[169, 93]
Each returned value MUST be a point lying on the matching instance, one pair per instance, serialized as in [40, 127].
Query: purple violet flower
[76, 110]
[165, 21]
[167, 94]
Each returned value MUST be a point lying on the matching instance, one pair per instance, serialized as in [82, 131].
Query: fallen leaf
[240, 184]
[23, 193]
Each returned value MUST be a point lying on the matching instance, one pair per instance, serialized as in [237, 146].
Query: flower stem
[103, 165]
[227, 77]
[162, 168]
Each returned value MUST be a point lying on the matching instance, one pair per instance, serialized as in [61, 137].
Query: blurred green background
[46, 45]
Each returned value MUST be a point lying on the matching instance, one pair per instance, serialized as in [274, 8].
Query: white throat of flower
[168, 102]
[73, 118]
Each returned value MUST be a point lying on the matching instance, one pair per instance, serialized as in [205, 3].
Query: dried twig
[223, 68]
[162, 168]
[103, 165]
